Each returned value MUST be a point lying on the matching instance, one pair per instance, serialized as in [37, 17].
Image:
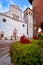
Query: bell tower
[37, 15]
[28, 19]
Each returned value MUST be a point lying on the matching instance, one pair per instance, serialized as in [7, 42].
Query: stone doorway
[1, 34]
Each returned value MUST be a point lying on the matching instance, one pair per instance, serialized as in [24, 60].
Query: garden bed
[26, 54]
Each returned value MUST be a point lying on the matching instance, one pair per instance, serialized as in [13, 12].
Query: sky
[5, 4]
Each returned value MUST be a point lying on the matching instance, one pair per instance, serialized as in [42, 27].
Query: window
[30, 13]
[4, 20]
[15, 16]
[25, 14]
[23, 25]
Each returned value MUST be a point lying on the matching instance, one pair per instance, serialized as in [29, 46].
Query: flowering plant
[35, 37]
[24, 40]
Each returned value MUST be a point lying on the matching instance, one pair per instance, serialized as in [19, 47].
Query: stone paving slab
[5, 60]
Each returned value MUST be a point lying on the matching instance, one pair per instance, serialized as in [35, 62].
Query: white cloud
[4, 9]
[1, 7]
[24, 7]
[30, 6]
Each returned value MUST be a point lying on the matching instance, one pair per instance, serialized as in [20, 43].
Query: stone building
[37, 15]
[12, 19]
[28, 19]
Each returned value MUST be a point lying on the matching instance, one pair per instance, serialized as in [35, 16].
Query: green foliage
[25, 54]
[40, 42]
[40, 36]
[34, 41]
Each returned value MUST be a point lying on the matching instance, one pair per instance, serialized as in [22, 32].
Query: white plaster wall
[9, 26]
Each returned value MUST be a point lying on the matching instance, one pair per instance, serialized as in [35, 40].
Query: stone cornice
[11, 18]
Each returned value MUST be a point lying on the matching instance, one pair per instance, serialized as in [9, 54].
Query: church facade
[12, 21]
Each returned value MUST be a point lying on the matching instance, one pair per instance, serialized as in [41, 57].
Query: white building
[12, 19]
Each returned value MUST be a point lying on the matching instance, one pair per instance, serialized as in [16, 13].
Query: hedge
[25, 54]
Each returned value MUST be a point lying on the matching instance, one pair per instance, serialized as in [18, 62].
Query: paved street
[5, 60]
[4, 52]
[5, 43]
[4, 47]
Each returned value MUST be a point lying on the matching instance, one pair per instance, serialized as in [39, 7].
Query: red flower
[35, 37]
[24, 40]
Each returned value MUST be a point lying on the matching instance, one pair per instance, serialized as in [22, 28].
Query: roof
[30, 1]
[15, 6]
[27, 8]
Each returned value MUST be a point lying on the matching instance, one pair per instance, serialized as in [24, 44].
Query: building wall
[37, 14]
[38, 9]
[14, 11]
[30, 25]
[28, 19]
[9, 26]
[23, 27]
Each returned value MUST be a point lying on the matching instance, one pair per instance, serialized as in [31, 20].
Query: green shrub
[40, 42]
[40, 36]
[34, 41]
[25, 54]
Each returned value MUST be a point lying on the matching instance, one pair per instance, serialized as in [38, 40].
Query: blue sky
[5, 4]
